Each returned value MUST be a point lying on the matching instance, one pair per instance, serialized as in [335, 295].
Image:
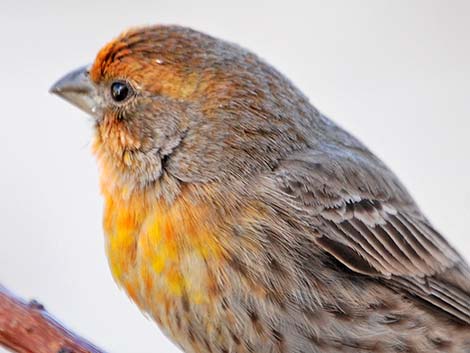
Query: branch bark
[28, 328]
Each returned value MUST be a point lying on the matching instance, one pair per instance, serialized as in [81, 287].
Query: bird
[241, 219]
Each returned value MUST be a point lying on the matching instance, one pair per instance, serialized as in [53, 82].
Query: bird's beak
[77, 89]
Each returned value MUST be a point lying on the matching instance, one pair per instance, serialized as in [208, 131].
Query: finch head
[170, 102]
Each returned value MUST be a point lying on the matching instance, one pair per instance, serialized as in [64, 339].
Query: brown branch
[28, 328]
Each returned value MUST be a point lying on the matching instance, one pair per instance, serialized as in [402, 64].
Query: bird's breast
[162, 254]
[182, 263]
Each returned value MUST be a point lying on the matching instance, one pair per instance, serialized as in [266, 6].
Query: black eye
[120, 91]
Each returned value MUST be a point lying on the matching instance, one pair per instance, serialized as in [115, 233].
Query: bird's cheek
[117, 135]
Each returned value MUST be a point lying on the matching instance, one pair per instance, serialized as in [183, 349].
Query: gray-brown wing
[364, 217]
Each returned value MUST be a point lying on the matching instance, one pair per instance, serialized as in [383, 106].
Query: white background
[395, 73]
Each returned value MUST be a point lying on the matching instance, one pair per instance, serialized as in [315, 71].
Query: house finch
[241, 219]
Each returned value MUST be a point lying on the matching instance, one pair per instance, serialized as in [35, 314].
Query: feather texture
[366, 219]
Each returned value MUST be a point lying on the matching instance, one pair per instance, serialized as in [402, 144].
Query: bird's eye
[120, 91]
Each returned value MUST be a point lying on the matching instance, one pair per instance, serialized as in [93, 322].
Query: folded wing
[365, 218]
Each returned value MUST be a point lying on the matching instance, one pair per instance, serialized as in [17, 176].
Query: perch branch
[28, 328]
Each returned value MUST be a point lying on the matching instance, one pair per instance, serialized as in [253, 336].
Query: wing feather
[365, 218]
